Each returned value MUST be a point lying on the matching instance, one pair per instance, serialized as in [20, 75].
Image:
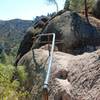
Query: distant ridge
[12, 31]
[13, 28]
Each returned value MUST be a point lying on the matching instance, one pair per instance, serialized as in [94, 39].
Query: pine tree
[67, 4]
[76, 5]
[54, 2]
[3, 57]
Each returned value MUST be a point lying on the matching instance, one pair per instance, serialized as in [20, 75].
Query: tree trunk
[86, 10]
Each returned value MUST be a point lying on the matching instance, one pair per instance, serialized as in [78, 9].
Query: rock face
[96, 9]
[72, 77]
[74, 33]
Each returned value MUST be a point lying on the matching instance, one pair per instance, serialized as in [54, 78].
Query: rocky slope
[72, 77]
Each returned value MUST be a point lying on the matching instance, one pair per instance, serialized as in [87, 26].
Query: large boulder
[72, 77]
[74, 32]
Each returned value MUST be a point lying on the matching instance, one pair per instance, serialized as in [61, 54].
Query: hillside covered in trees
[12, 32]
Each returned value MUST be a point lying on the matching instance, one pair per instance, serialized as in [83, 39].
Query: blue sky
[26, 9]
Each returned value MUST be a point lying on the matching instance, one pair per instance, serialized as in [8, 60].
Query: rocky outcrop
[27, 42]
[72, 77]
[76, 36]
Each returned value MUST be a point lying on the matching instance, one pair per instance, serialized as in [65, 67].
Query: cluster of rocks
[74, 33]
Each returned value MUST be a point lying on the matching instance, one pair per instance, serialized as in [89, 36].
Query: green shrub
[9, 89]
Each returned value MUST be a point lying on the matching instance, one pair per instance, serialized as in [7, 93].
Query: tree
[78, 5]
[54, 2]
[3, 57]
[96, 9]
[67, 4]
[75, 5]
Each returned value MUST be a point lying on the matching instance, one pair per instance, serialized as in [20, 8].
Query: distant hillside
[12, 31]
